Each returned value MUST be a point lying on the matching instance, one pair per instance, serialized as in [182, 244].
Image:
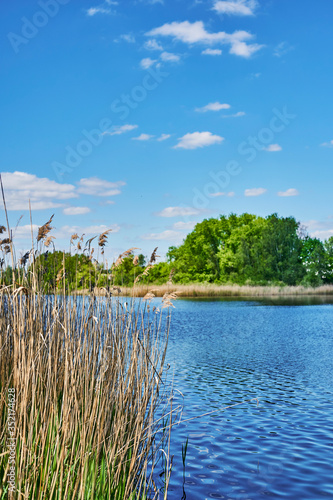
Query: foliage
[248, 249]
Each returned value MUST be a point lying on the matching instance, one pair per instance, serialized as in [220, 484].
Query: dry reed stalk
[87, 374]
[211, 290]
[44, 230]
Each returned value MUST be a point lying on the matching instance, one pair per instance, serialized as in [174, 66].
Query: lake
[224, 352]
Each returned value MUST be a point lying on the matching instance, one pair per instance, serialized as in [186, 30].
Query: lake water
[226, 352]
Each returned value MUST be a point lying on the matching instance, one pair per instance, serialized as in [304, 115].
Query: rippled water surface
[226, 352]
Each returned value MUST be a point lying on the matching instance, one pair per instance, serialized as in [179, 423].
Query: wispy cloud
[212, 52]
[327, 144]
[147, 62]
[169, 57]
[194, 33]
[66, 231]
[184, 226]
[153, 2]
[289, 192]
[98, 10]
[76, 210]
[127, 37]
[255, 191]
[273, 148]
[239, 114]
[282, 48]
[94, 186]
[143, 137]
[216, 195]
[153, 45]
[236, 7]
[169, 234]
[213, 106]
[120, 129]
[198, 140]
[320, 229]
[102, 9]
[163, 137]
[177, 212]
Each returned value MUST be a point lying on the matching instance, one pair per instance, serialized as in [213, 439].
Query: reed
[211, 290]
[87, 375]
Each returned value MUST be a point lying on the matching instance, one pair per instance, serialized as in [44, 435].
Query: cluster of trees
[239, 249]
[248, 249]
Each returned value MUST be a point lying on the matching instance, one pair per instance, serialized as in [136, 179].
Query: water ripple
[224, 353]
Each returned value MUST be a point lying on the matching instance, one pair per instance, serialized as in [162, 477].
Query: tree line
[236, 249]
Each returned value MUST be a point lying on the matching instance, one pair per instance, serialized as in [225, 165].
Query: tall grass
[211, 290]
[88, 379]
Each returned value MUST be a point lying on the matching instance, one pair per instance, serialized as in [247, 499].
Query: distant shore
[211, 290]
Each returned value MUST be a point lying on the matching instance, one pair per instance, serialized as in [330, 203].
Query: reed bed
[85, 411]
[88, 379]
[211, 290]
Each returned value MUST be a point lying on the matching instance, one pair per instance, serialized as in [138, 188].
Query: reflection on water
[227, 351]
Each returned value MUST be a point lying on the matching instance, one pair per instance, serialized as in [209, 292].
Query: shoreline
[208, 290]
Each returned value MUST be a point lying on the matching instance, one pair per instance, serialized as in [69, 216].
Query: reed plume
[44, 230]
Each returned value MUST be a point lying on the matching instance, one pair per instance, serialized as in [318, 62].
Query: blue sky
[148, 116]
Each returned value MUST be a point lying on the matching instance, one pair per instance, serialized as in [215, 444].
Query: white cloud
[188, 32]
[213, 106]
[43, 193]
[177, 212]
[76, 210]
[94, 186]
[289, 192]
[120, 129]
[273, 148]
[98, 10]
[147, 62]
[198, 140]
[20, 187]
[242, 49]
[67, 231]
[102, 9]
[192, 33]
[128, 37]
[184, 226]
[169, 57]
[235, 115]
[320, 229]
[212, 52]
[22, 232]
[164, 137]
[236, 7]
[153, 45]
[165, 235]
[255, 192]
[323, 234]
[230, 194]
[327, 144]
[143, 137]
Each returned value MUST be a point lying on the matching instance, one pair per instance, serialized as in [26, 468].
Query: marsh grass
[88, 375]
[211, 290]
[89, 386]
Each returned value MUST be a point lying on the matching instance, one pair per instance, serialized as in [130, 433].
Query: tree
[317, 259]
